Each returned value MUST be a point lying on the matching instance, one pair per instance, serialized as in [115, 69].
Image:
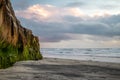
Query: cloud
[55, 38]
[54, 24]
[49, 13]
[75, 4]
[76, 12]
[113, 20]
[48, 31]
[93, 28]
[56, 31]
[20, 4]
[109, 6]
[34, 12]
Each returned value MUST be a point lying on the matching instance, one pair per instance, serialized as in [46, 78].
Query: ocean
[86, 54]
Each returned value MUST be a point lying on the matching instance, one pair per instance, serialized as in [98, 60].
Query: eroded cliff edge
[16, 43]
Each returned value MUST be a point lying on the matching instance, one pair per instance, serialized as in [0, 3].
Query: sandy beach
[61, 69]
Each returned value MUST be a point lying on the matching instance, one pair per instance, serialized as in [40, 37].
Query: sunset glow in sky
[71, 23]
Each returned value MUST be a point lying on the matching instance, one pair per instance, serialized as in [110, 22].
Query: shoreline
[86, 58]
[88, 62]
[61, 69]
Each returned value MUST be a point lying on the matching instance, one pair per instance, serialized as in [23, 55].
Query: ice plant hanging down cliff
[16, 43]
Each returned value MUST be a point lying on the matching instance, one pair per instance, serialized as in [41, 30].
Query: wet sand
[61, 69]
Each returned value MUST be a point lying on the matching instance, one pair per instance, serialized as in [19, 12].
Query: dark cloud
[56, 31]
[72, 19]
[116, 29]
[48, 32]
[75, 4]
[92, 28]
[20, 4]
[114, 19]
[56, 37]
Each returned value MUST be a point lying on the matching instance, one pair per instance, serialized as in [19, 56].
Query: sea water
[86, 54]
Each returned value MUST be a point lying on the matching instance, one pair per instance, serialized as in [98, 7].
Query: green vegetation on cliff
[16, 43]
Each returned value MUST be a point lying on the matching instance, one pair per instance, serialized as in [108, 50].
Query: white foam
[102, 55]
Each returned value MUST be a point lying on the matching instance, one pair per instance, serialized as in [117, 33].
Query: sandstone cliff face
[16, 43]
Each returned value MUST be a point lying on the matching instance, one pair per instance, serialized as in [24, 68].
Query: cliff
[16, 43]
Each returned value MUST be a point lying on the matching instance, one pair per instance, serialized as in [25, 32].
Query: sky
[71, 23]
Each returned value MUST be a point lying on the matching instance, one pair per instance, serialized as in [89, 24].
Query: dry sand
[61, 69]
